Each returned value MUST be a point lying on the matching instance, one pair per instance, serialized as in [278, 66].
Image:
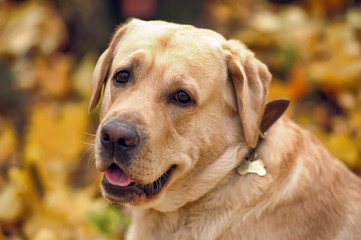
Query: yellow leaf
[56, 132]
[11, 203]
[337, 73]
[298, 84]
[30, 25]
[53, 75]
[343, 148]
[17, 195]
[45, 234]
[8, 141]
[55, 139]
[83, 75]
[64, 215]
[279, 89]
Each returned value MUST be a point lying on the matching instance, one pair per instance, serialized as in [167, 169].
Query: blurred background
[48, 49]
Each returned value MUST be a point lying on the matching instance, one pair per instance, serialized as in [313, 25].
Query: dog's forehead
[176, 49]
[164, 37]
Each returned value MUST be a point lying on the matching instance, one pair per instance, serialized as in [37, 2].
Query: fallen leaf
[30, 25]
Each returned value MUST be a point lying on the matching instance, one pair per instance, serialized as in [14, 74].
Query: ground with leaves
[48, 185]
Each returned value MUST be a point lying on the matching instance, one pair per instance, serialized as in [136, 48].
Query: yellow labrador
[179, 142]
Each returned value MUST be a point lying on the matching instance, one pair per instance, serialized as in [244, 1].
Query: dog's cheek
[173, 141]
[105, 102]
[206, 139]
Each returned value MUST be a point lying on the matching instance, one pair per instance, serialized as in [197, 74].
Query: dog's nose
[118, 136]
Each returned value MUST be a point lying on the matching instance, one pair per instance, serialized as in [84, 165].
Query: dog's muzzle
[119, 141]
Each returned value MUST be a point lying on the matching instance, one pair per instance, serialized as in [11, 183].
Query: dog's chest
[180, 225]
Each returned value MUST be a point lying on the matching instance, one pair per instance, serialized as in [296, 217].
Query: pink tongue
[116, 176]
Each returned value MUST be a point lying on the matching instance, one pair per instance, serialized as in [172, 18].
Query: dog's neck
[273, 111]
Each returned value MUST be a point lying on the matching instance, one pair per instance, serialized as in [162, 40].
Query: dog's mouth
[116, 179]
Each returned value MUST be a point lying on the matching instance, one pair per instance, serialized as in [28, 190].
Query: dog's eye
[183, 98]
[121, 77]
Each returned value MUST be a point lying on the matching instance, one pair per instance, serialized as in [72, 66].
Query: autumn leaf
[8, 142]
[30, 25]
[55, 138]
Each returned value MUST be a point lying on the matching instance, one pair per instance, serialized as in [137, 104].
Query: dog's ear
[101, 69]
[250, 79]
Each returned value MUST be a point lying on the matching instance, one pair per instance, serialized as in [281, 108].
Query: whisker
[92, 159]
[89, 134]
[90, 149]
[90, 142]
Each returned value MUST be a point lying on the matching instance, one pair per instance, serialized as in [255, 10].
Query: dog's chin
[134, 193]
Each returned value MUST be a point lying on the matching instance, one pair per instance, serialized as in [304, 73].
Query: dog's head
[175, 99]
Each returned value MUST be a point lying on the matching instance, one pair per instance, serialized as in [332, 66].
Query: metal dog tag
[256, 166]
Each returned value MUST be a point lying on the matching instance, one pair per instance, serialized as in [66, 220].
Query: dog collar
[251, 163]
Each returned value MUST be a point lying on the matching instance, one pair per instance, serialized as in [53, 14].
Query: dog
[188, 142]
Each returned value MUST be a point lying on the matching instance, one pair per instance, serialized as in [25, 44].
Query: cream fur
[306, 194]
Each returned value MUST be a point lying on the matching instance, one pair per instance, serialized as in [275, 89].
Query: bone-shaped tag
[256, 166]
